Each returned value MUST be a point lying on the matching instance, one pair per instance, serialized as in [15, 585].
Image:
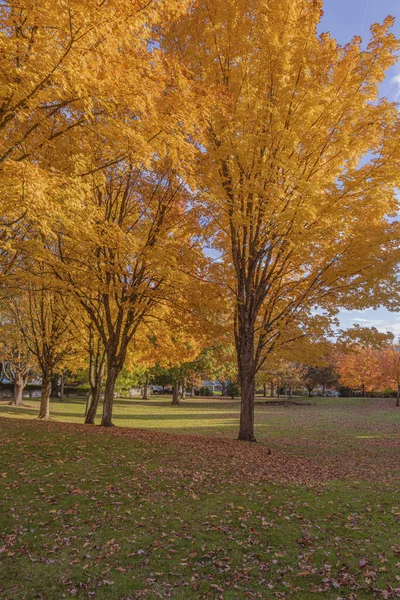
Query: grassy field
[178, 509]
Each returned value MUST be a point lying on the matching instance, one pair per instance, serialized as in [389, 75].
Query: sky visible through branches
[344, 19]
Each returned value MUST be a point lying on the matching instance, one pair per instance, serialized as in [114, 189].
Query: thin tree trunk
[192, 391]
[272, 390]
[112, 374]
[93, 402]
[183, 389]
[398, 395]
[323, 390]
[290, 392]
[265, 390]
[175, 394]
[44, 411]
[97, 361]
[145, 388]
[96, 383]
[62, 384]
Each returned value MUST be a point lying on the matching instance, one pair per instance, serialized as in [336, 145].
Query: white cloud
[381, 325]
[395, 81]
[370, 322]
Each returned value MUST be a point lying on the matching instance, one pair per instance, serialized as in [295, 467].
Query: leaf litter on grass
[100, 513]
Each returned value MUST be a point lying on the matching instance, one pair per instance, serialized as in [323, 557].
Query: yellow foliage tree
[299, 167]
[42, 318]
[125, 254]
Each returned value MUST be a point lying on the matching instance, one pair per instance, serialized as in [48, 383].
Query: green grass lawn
[179, 509]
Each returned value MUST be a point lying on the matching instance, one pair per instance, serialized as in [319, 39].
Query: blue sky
[344, 19]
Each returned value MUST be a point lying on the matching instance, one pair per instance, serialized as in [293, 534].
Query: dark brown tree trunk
[145, 389]
[364, 393]
[290, 392]
[112, 374]
[62, 383]
[93, 402]
[55, 386]
[175, 394]
[246, 427]
[398, 395]
[323, 390]
[97, 361]
[272, 390]
[244, 339]
[96, 384]
[44, 411]
[265, 390]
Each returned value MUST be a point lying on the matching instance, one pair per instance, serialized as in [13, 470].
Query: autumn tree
[120, 263]
[42, 319]
[324, 376]
[300, 220]
[177, 348]
[15, 356]
[359, 369]
[82, 86]
[389, 366]
[96, 356]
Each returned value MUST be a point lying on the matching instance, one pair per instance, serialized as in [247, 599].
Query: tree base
[43, 418]
[106, 424]
[246, 437]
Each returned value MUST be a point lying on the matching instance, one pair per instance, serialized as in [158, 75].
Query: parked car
[156, 389]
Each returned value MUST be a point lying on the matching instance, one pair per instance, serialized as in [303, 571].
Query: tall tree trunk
[145, 388]
[364, 393]
[290, 392]
[192, 391]
[323, 390]
[272, 389]
[175, 394]
[246, 427]
[247, 386]
[265, 390]
[398, 395]
[44, 411]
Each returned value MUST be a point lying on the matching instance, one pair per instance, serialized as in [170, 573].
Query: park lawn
[313, 511]
[219, 416]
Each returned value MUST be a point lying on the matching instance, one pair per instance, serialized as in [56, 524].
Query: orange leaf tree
[359, 369]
